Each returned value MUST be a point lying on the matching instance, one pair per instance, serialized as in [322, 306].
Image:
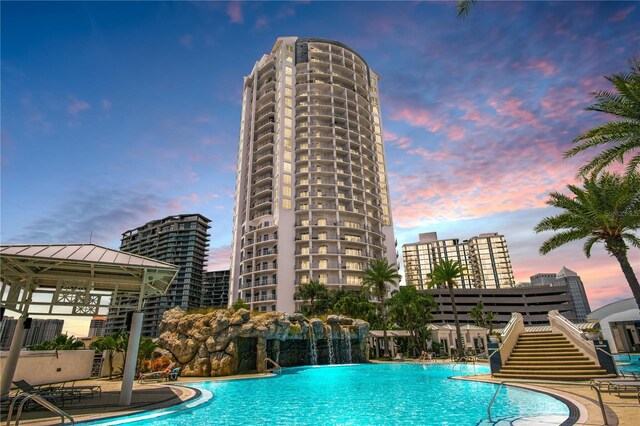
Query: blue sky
[117, 113]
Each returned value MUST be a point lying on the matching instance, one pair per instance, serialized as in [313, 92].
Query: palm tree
[316, 293]
[62, 342]
[446, 272]
[463, 7]
[620, 137]
[378, 274]
[606, 210]
[115, 342]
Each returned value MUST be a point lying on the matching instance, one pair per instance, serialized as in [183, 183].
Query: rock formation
[225, 342]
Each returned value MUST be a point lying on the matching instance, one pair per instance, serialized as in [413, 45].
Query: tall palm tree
[446, 272]
[620, 137]
[378, 274]
[606, 210]
[411, 310]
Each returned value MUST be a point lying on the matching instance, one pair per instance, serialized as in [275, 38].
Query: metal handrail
[40, 400]
[275, 364]
[593, 387]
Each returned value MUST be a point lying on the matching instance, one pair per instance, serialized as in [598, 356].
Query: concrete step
[545, 345]
[556, 368]
[554, 372]
[541, 341]
[550, 362]
[543, 376]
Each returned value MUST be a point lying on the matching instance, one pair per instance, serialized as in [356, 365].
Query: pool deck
[152, 395]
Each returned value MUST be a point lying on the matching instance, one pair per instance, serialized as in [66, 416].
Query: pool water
[368, 394]
[628, 363]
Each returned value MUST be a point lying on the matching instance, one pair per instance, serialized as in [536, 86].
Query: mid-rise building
[215, 291]
[570, 279]
[97, 326]
[312, 198]
[485, 258]
[36, 331]
[534, 303]
[182, 240]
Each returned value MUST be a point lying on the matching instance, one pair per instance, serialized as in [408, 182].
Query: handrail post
[604, 414]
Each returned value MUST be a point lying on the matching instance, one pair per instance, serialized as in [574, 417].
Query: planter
[592, 336]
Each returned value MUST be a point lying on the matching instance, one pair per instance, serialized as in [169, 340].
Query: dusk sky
[114, 114]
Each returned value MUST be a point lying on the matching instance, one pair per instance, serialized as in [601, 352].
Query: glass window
[286, 204]
[323, 264]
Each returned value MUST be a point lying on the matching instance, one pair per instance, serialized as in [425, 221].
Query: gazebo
[77, 280]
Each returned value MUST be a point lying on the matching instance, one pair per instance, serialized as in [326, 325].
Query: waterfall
[329, 334]
[345, 340]
[313, 346]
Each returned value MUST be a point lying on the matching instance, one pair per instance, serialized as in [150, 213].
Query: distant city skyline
[118, 113]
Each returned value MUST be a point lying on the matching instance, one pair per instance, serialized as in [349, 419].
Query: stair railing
[559, 324]
[510, 335]
[275, 366]
[24, 397]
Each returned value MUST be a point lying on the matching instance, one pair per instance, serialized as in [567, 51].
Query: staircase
[549, 356]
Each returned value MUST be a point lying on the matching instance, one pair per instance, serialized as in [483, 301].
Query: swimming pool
[367, 394]
[628, 363]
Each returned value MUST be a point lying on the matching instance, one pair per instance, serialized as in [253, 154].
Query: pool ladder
[40, 400]
[462, 364]
[275, 367]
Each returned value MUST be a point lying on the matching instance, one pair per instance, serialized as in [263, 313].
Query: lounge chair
[49, 392]
[82, 390]
[157, 375]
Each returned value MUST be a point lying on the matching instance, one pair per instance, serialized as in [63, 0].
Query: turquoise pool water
[628, 363]
[369, 394]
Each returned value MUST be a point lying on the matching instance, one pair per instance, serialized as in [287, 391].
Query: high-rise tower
[312, 198]
[182, 240]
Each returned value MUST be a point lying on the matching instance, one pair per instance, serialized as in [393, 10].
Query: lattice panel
[72, 293]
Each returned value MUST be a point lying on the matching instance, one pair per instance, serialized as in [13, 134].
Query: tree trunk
[456, 322]
[628, 274]
[384, 327]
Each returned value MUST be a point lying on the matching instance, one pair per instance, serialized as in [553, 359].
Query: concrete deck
[152, 395]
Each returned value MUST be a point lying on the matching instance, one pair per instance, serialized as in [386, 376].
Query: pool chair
[49, 392]
[82, 390]
[157, 375]
[175, 373]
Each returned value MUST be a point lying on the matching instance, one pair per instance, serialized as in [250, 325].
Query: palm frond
[463, 8]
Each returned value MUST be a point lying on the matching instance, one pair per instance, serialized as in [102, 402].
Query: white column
[129, 371]
[11, 361]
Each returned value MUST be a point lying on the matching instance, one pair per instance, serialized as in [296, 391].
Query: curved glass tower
[312, 198]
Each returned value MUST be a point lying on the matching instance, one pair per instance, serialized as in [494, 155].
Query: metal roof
[80, 279]
[81, 253]
[612, 308]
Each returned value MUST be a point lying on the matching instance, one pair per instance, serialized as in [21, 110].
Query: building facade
[312, 199]
[215, 291]
[182, 240]
[570, 279]
[534, 303]
[40, 330]
[97, 326]
[485, 257]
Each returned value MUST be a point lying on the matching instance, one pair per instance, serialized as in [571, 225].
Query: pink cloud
[401, 142]
[187, 41]
[234, 10]
[77, 106]
[219, 258]
[106, 104]
[560, 102]
[455, 132]
[546, 67]
[512, 108]
[418, 117]
[622, 14]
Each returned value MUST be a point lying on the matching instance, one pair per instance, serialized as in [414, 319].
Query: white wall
[629, 315]
[41, 367]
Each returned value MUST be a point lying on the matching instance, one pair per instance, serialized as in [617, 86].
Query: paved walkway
[150, 395]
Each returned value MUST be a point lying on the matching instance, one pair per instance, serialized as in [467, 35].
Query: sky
[117, 113]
